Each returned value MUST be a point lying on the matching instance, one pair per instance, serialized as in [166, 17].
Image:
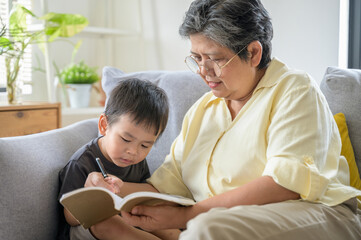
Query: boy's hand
[115, 182]
[96, 179]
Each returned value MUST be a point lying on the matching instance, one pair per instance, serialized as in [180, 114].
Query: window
[26, 65]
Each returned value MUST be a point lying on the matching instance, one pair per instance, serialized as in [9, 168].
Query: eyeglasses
[211, 66]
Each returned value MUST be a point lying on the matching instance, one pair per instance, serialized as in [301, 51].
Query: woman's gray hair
[231, 23]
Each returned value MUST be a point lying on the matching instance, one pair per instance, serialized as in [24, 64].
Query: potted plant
[78, 79]
[18, 37]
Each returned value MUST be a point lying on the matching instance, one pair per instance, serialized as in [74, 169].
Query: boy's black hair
[143, 100]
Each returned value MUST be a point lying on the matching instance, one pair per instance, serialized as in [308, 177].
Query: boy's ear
[102, 124]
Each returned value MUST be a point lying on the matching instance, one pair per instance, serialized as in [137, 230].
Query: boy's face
[125, 143]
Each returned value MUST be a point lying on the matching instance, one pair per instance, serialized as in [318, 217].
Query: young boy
[135, 115]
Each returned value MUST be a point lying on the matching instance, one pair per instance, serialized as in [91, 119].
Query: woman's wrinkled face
[237, 77]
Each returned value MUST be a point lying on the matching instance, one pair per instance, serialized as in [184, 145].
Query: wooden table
[28, 117]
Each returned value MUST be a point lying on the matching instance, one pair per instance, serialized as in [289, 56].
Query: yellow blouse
[286, 131]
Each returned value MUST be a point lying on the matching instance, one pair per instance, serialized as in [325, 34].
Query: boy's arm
[70, 219]
[116, 185]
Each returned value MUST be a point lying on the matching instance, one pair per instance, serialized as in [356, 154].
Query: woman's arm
[260, 191]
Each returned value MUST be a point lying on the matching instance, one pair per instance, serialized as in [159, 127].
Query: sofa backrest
[183, 89]
[342, 89]
[29, 179]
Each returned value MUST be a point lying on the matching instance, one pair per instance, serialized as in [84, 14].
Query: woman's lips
[213, 84]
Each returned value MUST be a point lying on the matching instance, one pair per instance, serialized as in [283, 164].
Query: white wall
[306, 35]
[168, 15]
[160, 46]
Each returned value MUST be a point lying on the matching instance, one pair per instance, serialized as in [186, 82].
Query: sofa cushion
[347, 151]
[175, 84]
[29, 179]
[342, 88]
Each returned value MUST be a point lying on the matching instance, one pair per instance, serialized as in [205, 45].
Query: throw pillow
[347, 150]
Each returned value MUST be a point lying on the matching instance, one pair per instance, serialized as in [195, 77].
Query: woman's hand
[151, 218]
[96, 179]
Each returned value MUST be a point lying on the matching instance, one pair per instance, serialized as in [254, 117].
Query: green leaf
[76, 48]
[17, 21]
[54, 35]
[5, 43]
[64, 25]
[27, 11]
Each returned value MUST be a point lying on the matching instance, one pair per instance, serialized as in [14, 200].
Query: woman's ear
[102, 124]
[255, 49]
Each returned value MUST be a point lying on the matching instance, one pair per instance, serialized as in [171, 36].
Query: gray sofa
[29, 165]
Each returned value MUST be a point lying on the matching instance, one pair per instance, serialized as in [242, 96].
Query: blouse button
[309, 160]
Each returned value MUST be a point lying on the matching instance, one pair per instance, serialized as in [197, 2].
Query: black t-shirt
[74, 174]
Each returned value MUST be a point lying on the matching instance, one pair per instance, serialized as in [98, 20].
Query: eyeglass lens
[210, 66]
[192, 64]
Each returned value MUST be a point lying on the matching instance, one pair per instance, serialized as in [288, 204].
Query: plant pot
[79, 95]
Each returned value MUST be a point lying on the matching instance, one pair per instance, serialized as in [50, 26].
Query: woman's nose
[206, 70]
[203, 70]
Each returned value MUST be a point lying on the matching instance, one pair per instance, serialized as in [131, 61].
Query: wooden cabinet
[28, 118]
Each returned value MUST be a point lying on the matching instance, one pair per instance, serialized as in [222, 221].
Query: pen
[101, 166]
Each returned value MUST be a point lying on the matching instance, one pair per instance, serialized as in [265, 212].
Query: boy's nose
[131, 151]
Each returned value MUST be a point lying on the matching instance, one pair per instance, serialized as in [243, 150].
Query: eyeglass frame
[220, 67]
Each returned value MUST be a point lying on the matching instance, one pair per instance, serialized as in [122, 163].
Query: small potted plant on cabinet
[78, 79]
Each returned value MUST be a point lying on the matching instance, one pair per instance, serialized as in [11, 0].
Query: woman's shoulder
[289, 79]
[281, 73]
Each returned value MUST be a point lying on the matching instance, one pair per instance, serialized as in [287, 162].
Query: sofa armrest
[29, 179]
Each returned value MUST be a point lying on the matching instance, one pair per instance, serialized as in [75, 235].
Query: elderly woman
[260, 153]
